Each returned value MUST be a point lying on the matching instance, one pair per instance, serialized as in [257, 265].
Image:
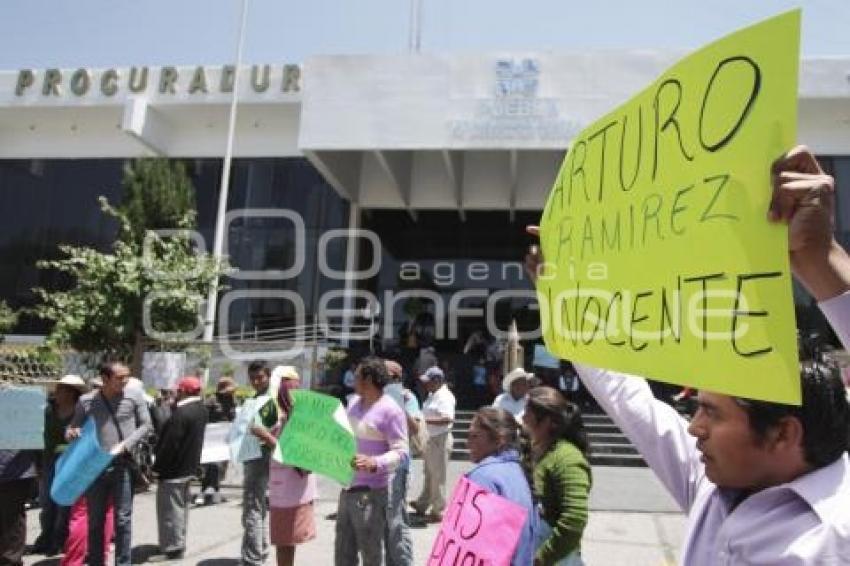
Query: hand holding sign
[117, 449]
[72, 433]
[364, 463]
[804, 196]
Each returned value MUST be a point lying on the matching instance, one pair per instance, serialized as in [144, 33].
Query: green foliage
[244, 392]
[158, 194]
[227, 369]
[334, 359]
[104, 310]
[8, 319]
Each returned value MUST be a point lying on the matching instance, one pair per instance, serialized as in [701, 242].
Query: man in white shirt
[439, 413]
[515, 396]
[762, 483]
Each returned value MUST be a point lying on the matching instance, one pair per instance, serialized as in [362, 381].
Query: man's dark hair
[824, 414]
[107, 368]
[259, 366]
[374, 369]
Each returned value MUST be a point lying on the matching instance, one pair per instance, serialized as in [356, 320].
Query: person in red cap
[178, 455]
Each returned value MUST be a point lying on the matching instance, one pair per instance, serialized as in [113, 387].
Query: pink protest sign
[479, 528]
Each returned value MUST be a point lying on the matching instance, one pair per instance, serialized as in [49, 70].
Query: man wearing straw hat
[57, 416]
[515, 395]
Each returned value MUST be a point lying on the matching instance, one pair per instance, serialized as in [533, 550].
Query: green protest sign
[318, 437]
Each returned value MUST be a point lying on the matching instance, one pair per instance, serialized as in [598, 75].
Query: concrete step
[612, 448]
[595, 418]
[596, 458]
[600, 428]
[460, 435]
[586, 417]
[608, 445]
[619, 460]
[467, 415]
[613, 438]
[460, 454]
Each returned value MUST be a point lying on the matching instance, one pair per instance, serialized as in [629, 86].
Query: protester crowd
[762, 483]
[374, 514]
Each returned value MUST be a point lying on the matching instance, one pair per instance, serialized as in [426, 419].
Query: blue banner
[81, 464]
[544, 359]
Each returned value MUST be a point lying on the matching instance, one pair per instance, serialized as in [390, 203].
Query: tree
[157, 194]
[123, 295]
[8, 319]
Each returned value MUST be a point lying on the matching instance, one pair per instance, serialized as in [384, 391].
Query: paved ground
[633, 522]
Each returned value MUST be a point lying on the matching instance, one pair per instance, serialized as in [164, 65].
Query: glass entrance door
[448, 288]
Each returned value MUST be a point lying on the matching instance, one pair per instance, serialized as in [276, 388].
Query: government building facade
[437, 162]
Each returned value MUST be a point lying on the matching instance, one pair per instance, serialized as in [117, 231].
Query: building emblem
[516, 78]
[514, 112]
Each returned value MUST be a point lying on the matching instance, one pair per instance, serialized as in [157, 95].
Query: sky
[103, 33]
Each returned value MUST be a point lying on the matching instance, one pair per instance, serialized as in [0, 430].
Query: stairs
[608, 446]
[460, 430]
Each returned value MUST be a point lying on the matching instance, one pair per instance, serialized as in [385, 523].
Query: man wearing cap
[439, 412]
[515, 396]
[178, 455]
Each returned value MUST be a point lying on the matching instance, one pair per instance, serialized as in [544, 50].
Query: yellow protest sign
[660, 260]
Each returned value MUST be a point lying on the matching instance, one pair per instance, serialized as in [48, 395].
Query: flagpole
[218, 239]
[414, 41]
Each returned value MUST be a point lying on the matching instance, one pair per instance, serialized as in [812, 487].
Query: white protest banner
[216, 447]
[22, 414]
[244, 446]
[162, 369]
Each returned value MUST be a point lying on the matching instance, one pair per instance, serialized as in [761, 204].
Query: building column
[352, 265]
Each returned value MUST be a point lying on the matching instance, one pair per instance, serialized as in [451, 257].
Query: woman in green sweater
[561, 475]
